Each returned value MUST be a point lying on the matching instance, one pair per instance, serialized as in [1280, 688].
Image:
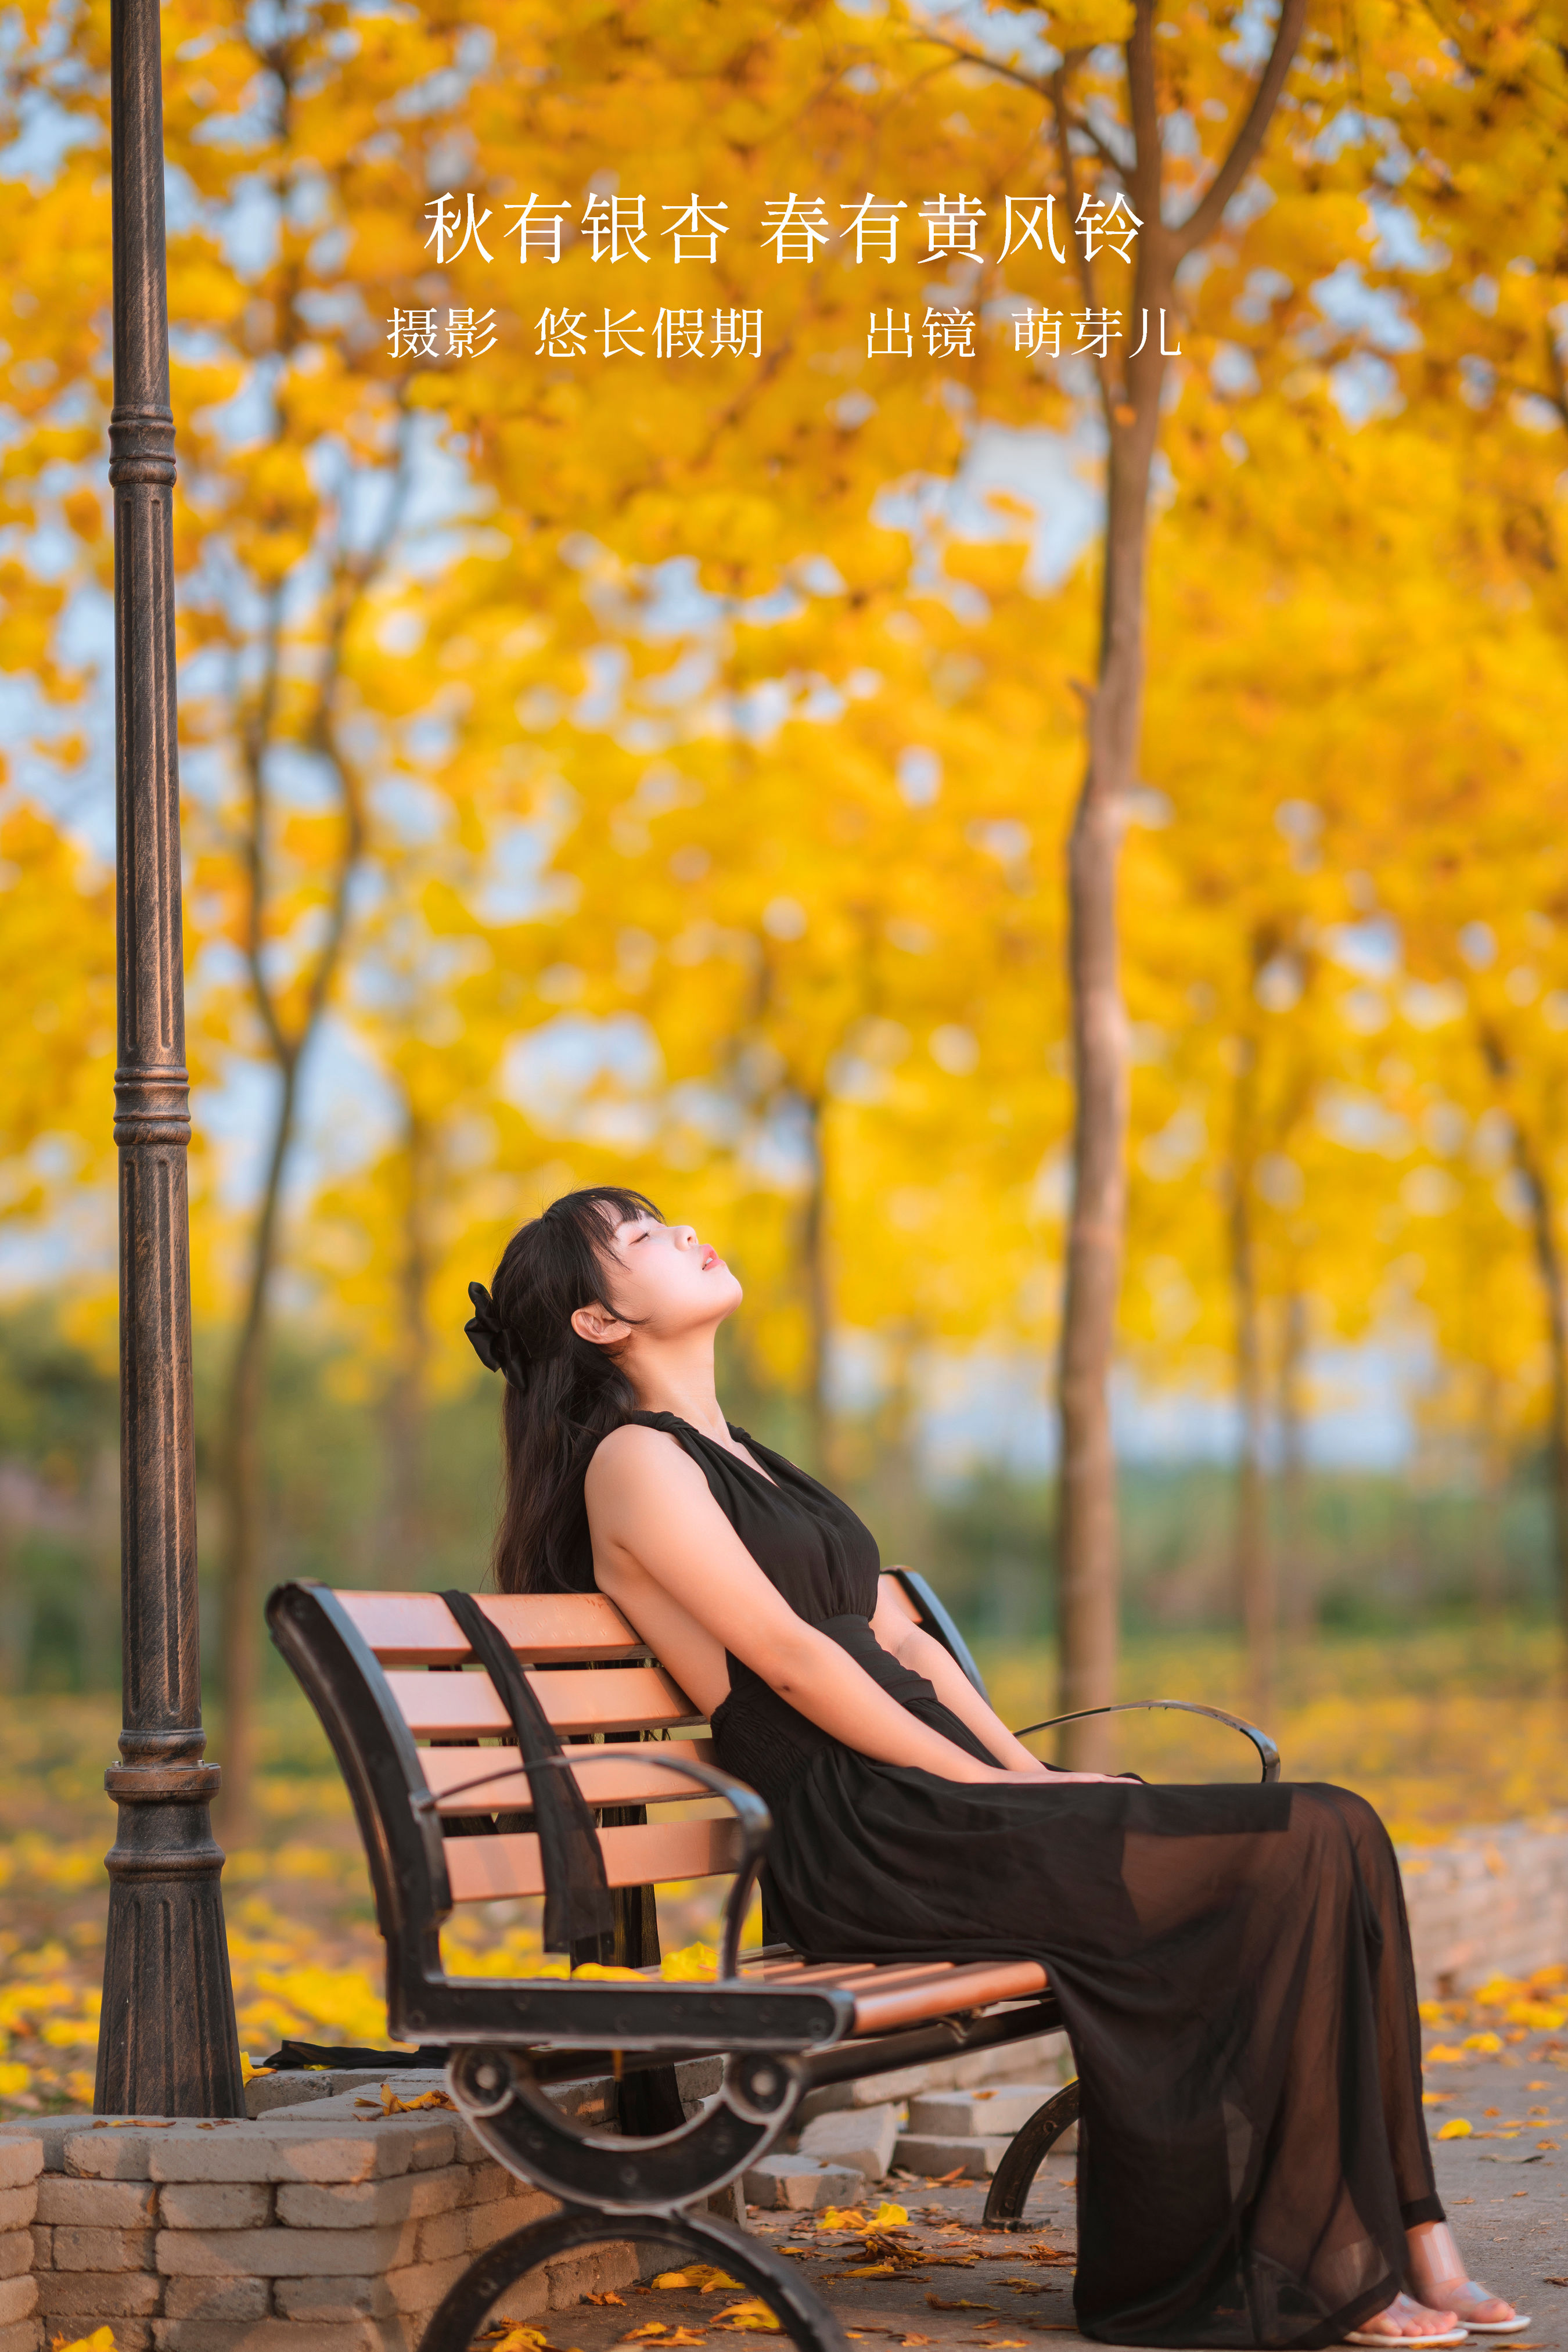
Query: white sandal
[1491, 2326]
[1374, 2336]
[1414, 2342]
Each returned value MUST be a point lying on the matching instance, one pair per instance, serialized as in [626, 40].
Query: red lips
[710, 1258]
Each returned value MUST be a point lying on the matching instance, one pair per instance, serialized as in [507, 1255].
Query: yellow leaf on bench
[694, 1964]
[593, 1969]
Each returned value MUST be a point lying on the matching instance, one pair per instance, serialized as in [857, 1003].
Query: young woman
[1233, 1962]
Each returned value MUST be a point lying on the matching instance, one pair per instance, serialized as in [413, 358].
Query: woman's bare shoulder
[634, 1454]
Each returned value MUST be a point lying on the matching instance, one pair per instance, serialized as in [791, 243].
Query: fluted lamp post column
[167, 2044]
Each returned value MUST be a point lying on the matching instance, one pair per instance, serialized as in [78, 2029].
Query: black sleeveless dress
[1232, 1965]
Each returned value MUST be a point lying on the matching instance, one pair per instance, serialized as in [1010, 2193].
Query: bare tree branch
[1006, 72]
[1069, 189]
[1203, 219]
[1148, 157]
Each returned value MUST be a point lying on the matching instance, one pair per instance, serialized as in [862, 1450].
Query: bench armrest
[1267, 1754]
[756, 1822]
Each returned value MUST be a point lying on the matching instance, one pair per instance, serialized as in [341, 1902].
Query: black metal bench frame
[508, 2039]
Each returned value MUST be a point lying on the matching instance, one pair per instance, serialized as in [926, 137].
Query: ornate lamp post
[167, 2044]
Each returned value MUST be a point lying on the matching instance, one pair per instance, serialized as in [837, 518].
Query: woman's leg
[1233, 2087]
[1436, 2269]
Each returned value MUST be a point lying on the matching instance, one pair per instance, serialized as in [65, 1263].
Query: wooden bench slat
[973, 1986]
[495, 1869]
[408, 1628]
[641, 1699]
[879, 1974]
[623, 1781]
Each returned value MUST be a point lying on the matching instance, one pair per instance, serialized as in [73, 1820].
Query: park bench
[453, 1821]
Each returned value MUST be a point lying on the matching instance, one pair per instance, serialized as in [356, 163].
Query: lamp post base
[167, 2042]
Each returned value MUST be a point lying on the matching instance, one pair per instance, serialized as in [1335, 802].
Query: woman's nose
[687, 1236]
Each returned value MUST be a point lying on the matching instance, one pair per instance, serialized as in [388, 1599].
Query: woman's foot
[1475, 2305]
[1438, 2274]
[1402, 2318]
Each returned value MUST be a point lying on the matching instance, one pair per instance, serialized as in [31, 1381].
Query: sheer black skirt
[1233, 1965]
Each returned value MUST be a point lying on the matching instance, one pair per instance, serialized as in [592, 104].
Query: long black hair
[563, 1393]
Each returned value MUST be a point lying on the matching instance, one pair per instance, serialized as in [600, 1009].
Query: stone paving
[1506, 2198]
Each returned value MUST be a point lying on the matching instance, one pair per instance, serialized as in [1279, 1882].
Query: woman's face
[666, 1280]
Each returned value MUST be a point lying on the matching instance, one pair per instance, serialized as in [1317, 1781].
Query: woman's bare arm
[669, 1558]
[923, 1655]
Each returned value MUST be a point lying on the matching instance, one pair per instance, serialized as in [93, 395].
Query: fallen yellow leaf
[889, 2217]
[101, 2340]
[391, 2105]
[841, 2217]
[698, 2274]
[1454, 2128]
[695, 1964]
[751, 2317]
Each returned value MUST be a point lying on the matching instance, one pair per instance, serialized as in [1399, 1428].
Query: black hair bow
[497, 1348]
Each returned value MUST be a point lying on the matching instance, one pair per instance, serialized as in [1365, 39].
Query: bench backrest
[408, 1712]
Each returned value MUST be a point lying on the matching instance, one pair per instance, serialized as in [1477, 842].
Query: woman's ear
[598, 1326]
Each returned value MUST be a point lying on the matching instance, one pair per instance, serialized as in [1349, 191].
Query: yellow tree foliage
[57, 982]
[693, 796]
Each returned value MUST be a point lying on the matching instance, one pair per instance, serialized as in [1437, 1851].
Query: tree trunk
[1294, 1578]
[1088, 1564]
[240, 1485]
[818, 1301]
[403, 1534]
[1549, 1261]
[1253, 1561]
[1087, 1551]
[1493, 1483]
[1530, 1162]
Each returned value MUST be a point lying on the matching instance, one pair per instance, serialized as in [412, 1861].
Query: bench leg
[1013, 2177]
[799, 2309]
